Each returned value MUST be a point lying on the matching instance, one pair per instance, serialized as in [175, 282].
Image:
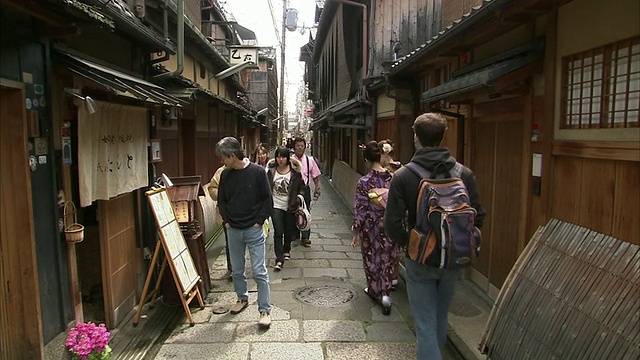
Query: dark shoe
[287, 256]
[366, 291]
[394, 283]
[278, 266]
[239, 306]
[305, 242]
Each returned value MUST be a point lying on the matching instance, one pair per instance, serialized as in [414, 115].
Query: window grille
[601, 87]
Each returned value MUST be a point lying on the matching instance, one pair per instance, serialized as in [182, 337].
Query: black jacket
[296, 186]
[244, 196]
[400, 216]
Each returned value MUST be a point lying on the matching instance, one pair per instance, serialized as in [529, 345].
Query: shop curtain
[112, 151]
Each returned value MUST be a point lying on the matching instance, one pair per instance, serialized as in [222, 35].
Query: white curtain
[112, 151]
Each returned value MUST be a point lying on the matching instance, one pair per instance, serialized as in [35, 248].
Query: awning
[189, 94]
[479, 78]
[116, 81]
[334, 111]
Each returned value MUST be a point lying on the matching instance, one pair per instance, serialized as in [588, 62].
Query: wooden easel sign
[176, 253]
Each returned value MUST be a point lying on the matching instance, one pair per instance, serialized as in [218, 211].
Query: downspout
[180, 40]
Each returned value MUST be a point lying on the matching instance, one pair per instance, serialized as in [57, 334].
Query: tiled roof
[91, 11]
[403, 61]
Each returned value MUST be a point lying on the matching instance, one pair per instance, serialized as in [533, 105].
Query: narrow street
[320, 310]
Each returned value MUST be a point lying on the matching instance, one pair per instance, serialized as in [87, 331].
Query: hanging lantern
[291, 20]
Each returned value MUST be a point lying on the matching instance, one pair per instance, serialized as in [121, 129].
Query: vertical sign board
[177, 254]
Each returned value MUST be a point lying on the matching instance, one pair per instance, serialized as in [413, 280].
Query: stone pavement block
[199, 315]
[233, 351]
[377, 315]
[347, 351]
[221, 286]
[304, 263]
[226, 299]
[348, 264]
[329, 272]
[288, 351]
[325, 255]
[250, 314]
[202, 333]
[390, 331]
[280, 331]
[356, 273]
[332, 330]
[286, 272]
[335, 248]
[282, 297]
[287, 284]
[354, 255]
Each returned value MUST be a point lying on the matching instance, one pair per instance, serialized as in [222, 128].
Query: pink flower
[89, 341]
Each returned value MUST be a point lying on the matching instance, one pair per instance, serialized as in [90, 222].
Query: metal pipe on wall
[180, 40]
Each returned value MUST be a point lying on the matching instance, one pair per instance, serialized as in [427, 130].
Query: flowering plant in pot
[88, 341]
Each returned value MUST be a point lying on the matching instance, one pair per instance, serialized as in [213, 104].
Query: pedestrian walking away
[430, 290]
[378, 251]
[310, 172]
[245, 202]
[286, 184]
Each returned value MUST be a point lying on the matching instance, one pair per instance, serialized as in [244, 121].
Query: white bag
[303, 217]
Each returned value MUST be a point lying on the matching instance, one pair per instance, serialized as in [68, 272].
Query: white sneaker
[265, 320]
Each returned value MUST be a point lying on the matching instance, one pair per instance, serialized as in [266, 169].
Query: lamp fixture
[162, 182]
[89, 104]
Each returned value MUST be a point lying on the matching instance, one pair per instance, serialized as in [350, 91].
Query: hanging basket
[73, 232]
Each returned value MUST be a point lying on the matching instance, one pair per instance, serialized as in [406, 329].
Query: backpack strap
[423, 173]
[419, 170]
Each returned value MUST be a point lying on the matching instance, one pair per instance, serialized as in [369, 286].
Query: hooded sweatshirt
[400, 216]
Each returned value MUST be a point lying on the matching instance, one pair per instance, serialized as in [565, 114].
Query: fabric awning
[117, 81]
[479, 78]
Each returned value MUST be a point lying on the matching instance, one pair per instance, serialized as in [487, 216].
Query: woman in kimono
[378, 251]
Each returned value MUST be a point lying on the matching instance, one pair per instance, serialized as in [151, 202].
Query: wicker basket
[73, 232]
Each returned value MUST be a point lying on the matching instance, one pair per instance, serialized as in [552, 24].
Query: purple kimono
[378, 251]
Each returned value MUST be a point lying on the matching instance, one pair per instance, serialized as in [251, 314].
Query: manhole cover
[324, 295]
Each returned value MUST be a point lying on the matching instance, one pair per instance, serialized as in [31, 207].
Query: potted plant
[88, 341]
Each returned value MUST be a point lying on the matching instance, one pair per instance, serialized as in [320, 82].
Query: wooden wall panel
[484, 146]
[626, 204]
[20, 319]
[596, 194]
[120, 257]
[565, 191]
[507, 191]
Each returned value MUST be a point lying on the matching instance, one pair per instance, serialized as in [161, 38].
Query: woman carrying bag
[286, 184]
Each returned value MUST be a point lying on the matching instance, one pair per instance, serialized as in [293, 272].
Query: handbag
[378, 197]
[303, 216]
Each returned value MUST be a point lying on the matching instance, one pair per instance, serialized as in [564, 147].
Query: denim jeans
[430, 292]
[253, 239]
[284, 229]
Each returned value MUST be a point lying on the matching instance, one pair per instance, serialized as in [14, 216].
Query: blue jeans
[430, 292]
[284, 229]
[239, 241]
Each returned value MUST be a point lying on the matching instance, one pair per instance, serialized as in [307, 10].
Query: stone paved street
[320, 310]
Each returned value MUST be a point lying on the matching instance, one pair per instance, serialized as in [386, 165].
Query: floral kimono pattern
[378, 251]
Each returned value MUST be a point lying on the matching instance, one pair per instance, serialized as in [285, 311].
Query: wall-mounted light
[162, 182]
[89, 104]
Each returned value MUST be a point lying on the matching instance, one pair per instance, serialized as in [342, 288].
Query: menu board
[173, 242]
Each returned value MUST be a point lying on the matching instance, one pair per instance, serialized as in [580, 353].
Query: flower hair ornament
[387, 148]
[362, 146]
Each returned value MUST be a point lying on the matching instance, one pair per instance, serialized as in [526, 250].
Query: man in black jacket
[244, 201]
[430, 290]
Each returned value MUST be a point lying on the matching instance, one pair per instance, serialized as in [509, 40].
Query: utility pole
[283, 46]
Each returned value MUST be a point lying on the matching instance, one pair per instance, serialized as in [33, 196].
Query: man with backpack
[433, 208]
[310, 173]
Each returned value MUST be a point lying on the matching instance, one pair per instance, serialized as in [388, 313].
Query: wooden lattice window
[601, 87]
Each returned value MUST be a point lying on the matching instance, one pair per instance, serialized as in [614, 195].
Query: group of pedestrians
[249, 193]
